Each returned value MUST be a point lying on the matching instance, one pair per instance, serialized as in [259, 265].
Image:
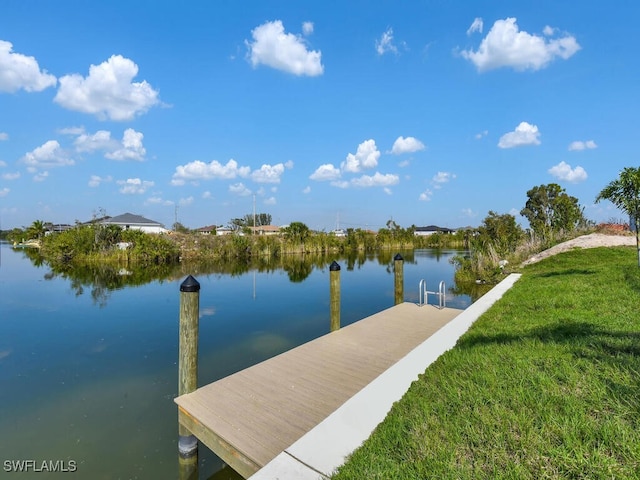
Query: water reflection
[298, 270]
[96, 385]
[99, 280]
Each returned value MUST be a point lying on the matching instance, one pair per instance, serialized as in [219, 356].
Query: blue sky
[430, 112]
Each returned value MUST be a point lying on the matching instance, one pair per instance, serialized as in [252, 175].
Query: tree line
[553, 216]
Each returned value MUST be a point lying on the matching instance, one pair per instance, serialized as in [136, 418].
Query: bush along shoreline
[486, 254]
[110, 245]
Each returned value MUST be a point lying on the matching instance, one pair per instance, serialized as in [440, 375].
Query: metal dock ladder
[423, 294]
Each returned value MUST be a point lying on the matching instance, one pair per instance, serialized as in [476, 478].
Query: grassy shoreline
[93, 244]
[546, 384]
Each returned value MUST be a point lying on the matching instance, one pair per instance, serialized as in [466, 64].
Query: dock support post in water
[188, 371]
[334, 294]
[398, 269]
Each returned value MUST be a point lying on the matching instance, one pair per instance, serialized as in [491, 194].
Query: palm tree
[624, 193]
[36, 230]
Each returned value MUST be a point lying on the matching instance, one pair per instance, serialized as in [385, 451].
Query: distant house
[265, 230]
[211, 229]
[431, 229]
[57, 228]
[224, 231]
[339, 232]
[128, 221]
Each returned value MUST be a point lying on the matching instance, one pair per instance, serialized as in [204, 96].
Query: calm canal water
[88, 368]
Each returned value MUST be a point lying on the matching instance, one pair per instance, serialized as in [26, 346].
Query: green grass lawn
[546, 384]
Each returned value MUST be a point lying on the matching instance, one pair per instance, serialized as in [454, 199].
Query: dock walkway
[252, 416]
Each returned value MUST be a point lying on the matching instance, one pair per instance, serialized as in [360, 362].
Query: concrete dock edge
[323, 449]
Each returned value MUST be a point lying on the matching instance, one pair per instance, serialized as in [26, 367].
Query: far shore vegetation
[104, 244]
[487, 252]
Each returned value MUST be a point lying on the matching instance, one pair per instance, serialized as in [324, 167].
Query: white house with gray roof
[431, 229]
[128, 221]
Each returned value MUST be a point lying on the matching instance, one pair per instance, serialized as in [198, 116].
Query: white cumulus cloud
[563, 171]
[4, 192]
[133, 186]
[406, 145]
[199, 170]
[101, 140]
[524, 134]
[4, 136]
[442, 177]
[273, 47]
[579, 145]
[326, 172]
[48, 155]
[507, 46]
[376, 180]
[108, 91]
[268, 173]
[365, 157]
[130, 148]
[18, 71]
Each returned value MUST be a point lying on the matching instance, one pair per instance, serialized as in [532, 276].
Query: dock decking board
[248, 418]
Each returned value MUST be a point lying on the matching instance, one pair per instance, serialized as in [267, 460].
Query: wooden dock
[250, 417]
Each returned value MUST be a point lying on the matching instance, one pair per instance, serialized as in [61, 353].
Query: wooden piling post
[334, 294]
[398, 269]
[188, 371]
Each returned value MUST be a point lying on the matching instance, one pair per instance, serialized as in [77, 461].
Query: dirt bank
[586, 241]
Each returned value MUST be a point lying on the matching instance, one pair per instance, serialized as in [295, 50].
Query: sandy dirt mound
[586, 241]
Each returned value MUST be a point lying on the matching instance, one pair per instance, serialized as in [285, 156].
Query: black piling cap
[334, 267]
[398, 257]
[190, 284]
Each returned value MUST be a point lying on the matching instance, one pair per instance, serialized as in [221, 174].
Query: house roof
[131, 219]
[433, 228]
[209, 228]
[266, 228]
